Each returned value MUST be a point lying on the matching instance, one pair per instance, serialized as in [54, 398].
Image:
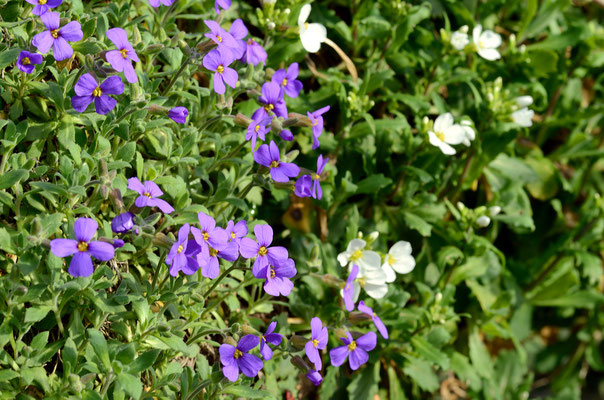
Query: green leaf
[11, 178]
[131, 385]
[417, 223]
[365, 384]
[429, 352]
[6, 243]
[99, 345]
[36, 313]
[421, 373]
[247, 392]
[144, 361]
[373, 184]
[481, 360]
[9, 56]
[126, 152]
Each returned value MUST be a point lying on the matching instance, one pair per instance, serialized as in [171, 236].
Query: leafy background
[518, 315]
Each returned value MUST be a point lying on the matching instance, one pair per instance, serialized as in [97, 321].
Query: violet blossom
[235, 358]
[348, 291]
[88, 90]
[222, 38]
[254, 53]
[56, 37]
[278, 277]
[218, 60]
[287, 79]
[27, 61]
[122, 223]
[314, 377]
[156, 3]
[178, 114]
[258, 129]
[121, 59]
[224, 4]
[316, 119]
[261, 249]
[238, 31]
[376, 320]
[212, 240]
[149, 193]
[268, 155]
[311, 186]
[269, 337]
[42, 6]
[236, 231]
[354, 350]
[318, 341]
[177, 258]
[272, 100]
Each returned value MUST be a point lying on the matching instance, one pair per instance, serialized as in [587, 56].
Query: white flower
[524, 101]
[468, 131]
[483, 221]
[523, 117]
[373, 280]
[459, 40]
[486, 43]
[311, 35]
[494, 210]
[356, 254]
[398, 259]
[446, 133]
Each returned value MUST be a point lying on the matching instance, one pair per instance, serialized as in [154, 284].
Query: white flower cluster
[486, 42]
[523, 116]
[445, 132]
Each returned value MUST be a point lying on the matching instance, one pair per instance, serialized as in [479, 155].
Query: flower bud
[242, 120]
[299, 341]
[231, 341]
[162, 240]
[358, 317]
[299, 362]
[154, 48]
[494, 210]
[438, 297]
[270, 25]
[248, 330]
[123, 222]
[483, 221]
[178, 114]
[235, 328]
[332, 280]
[162, 327]
[21, 290]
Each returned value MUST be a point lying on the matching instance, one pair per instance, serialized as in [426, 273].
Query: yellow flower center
[391, 260]
[237, 354]
[305, 25]
[262, 251]
[233, 235]
[257, 128]
[352, 346]
[274, 164]
[220, 69]
[42, 2]
[268, 107]
[316, 177]
[347, 287]
[273, 274]
[219, 38]
[82, 246]
[440, 136]
[25, 61]
[146, 193]
[124, 53]
[205, 236]
[315, 342]
[179, 249]
[284, 82]
[55, 33]
[356, 255]
[374, 315]
[213, 252]
[97, 93]
[316, 122]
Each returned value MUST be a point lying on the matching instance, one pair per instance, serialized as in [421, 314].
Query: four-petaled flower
[254, 53]
[311, 35]
[314, 377]
[82, 248]
[269, 337]
[376, 320]
[42, 6]
[88, 90]
[460, 39]
[235, 358]
[218, 60]
[357, 254]
[316, 119]
[287, 80]
[123, 222]
[446, 133]
[272, 100]
[262, 250]
[223, 39]
[278, 276]
[268, 155]
[348, 292]
[318, 341]
[27, 61]
[238, 31]
[178, 114]
[224, 4]
[212, 240]
[307, 186]
[354, 350]
[257, 129]
[56, 37]
[176, 258]
[121, 59]
[398, 259]
[149, 193]
[486, 43]
[236, 231]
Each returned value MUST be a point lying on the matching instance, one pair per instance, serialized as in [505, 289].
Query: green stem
[175, 77]
[221, 277]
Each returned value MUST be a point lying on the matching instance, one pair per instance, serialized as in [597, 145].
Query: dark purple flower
[149, 193]
[318, 341]
[177, 258]
[212, 240]
[82, 248]
[269, 337]
[307, 186]
[348, 291]
[238, 31]
[278, 277]
[121, 58]
[254, 53]
[264, 254]
[156, 3]
[56, 37]
[123, 222]
[314, 377]
[223, 39]
[178, 114]
[268, 155]
[303, 186]
[117, 243]
[376, 320]
[257, 129]
[224, 4]
[356, 350]
[235, 358]
[41, 6]
[316, 119]
[218, 60]
[286, 135]
[288, 81]
[272, 98]
[88, 90]
[193, 249]
[27, 60]
[235, 231]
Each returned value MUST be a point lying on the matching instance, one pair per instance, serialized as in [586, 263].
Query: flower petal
[101, 251]
[338, 355]
[61, 50]
[250, 365]
[248, 342]
[84, 229]
[63, 247]
[112, 85]
[81, 265]
[72, 32]
[43, 41]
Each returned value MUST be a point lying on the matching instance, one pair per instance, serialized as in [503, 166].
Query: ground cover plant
[272, 199]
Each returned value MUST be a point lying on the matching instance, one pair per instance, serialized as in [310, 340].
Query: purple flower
[307, 186]
[316, 120]
[318, 341]
[254, 53]
[87, 90]
[117, 243]
[41, 6]
[303, 186]
[222, 38]
[277, 277]
[268, 155]
[235, 358]
[212, 240]
[178, 114]
[176, 258]
[376, 320]
[348, 292]
[224, 4]
[156, 3]
[149, 193]
[27, 60]
[238, 31]
[122, 223]
[264, 254]
[257, 128]
[286, 135]
[191, 253]
[272, 98]
[82, 248]
[120, 59]
[235, 231]
[218, 60]
[356, 349]
[269, 337]
[56, 37]
[288, 81]
[314, 377]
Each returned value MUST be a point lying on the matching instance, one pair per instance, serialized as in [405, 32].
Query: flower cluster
[485, 43]
[445, 133]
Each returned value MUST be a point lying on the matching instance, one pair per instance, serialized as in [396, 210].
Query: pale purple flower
[149, 193]
[254, 53]
[314, 377]
[178, 114]
[316, 119]
[122, 223]
[235, 358]
[224, 4]
[258, 129]
[264, 254]
[177, 258]
[27, 61]
[42, 6]
[218, 60]
[355, 350]
[212, 240]
[56, 37]
[88, 90]
[287, 80]
[272, 100]
[376, 320]
[82, 248]
[278, 276]
[318, 341]
[268, 155]
[269, 337]
[348, 292]
[311, 186]
[236, 231]
[193, 249]
[121, 59]
[223, 39]
[157, 3]
[238, 30]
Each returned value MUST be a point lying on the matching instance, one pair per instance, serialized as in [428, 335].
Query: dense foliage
[202, 199]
